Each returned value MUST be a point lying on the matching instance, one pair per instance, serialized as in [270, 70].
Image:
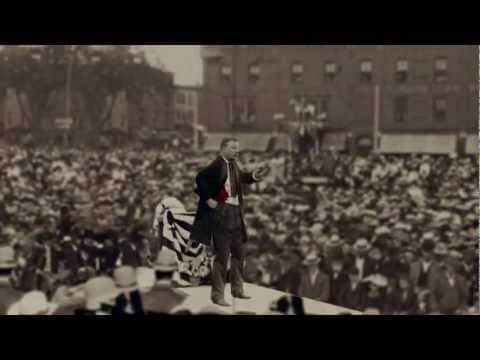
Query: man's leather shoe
[242, 296]
[221, 302]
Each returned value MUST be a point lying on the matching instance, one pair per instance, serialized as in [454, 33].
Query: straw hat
[32, 303]
[125, 278]
[145, 278]
[382, 230]
[98, 291]
[377, 279]
[334, 242]
[166, 261]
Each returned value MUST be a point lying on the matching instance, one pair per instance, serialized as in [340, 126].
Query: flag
[173, 224]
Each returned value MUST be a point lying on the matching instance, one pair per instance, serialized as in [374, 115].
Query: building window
[366, 71]
[401, 108]
[254, 71]
[440, 108]
[242, 110]
[401, 74]
[441, 69]
[297, 71]
[331, 70]
[226, 72]
[180, 98]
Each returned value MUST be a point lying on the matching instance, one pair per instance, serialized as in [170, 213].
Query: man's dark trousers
[227, 239]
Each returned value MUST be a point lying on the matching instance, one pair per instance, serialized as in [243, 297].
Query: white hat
[444, 216]
[145, 278]
[99, 290]
[166, 260]
[382, 230]
[32, 303]
[125, 278]
[377, 279]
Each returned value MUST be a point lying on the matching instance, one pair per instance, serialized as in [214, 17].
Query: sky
[183, 60]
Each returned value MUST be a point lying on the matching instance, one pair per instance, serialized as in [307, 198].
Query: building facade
[187, 106]
[362, 91]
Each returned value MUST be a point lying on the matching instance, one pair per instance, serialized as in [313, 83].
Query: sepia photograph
[225, 180]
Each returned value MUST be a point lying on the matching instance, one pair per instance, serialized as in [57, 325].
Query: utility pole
[234, 86]
[70, 59]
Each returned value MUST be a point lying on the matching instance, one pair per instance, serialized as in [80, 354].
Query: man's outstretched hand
[259, 174]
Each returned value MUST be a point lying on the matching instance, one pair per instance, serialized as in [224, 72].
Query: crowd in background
[380, 234]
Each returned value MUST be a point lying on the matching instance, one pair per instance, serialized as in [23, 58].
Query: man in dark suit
[448, 290]
[130, 252]
[72, 259]
[314, 283]
[424, 270]
[219, 220]
[361, 261]
[338, 281]
[354, 295]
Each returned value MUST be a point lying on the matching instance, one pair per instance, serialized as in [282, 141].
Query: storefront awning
[414, 143]
[251, 142]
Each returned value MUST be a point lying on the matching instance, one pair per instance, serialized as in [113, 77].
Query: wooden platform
[260, 303]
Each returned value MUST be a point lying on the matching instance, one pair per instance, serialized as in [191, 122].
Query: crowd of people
[379, 234]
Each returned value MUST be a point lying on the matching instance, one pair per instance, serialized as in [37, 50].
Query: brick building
[187, 104]
[396, 92]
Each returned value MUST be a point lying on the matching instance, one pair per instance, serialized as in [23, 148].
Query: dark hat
[428, 245]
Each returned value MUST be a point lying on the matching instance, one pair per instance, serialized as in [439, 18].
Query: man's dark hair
[226, 141]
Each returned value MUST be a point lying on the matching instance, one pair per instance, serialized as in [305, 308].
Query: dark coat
[71, 257]
[39, 258]
[446, 299]
[210, 182]
[396, 303]
[108, 258]
[369, 266]
[162, 299]
[353, 299]
[337, 287]
[130, 255]
[319, 290]
[415, 270]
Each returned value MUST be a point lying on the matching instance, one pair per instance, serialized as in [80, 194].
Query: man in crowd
[450, 192]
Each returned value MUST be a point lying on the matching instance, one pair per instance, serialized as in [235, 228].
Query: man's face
[337, 266]
[354, 278]
[231, 150]
[427, 255]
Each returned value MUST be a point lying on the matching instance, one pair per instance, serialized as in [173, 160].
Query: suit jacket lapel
[222, 170]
